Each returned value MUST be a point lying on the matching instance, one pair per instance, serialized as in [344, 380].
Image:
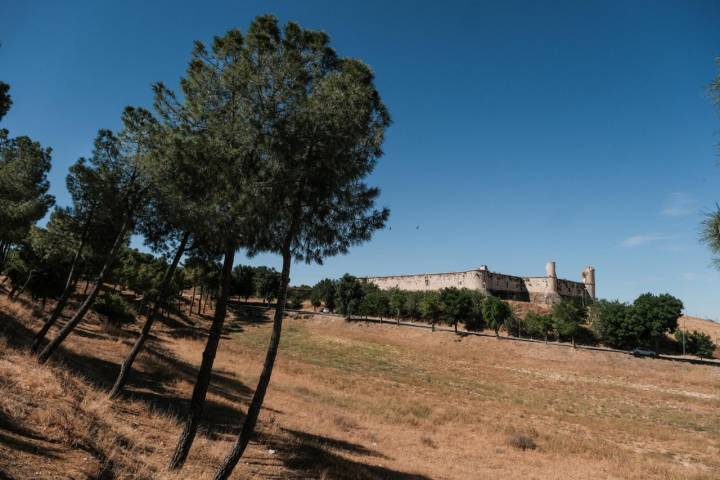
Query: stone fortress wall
[547, 289]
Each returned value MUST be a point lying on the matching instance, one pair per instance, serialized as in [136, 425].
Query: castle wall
[530, 289]
[429, 281]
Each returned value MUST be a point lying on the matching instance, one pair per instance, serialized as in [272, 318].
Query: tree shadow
[310, 456]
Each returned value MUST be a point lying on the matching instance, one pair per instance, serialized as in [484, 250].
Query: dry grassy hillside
[701, 324]
[356, 401]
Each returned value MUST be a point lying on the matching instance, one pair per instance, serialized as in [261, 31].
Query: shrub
[539, 324]
[495, 311]
[696, 343]
[296, 302]
[521, 441]
[567, 316]
[115, 308]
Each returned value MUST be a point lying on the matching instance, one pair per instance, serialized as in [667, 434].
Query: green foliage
[376, 303]
[431, 307]
[458, 306]
[296, 301]
[349, 294]
[696, 343]
[567, 317]
[324, 292]
[495, 312]
[24, 200]
[398, 299]
[267, 283]
[655, 315]
[115, 308]
[243, 281]
[538, 324]
[5, 100]
[141, 272]
[611, 321]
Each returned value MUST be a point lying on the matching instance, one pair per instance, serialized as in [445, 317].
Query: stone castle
[547, 289]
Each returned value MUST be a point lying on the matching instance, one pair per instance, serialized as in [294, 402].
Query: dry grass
[351, 401]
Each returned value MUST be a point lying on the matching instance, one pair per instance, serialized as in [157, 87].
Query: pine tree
[324, 129]
[125, 191]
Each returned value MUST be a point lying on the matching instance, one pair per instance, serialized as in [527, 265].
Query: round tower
[551, 276]
[588, 278]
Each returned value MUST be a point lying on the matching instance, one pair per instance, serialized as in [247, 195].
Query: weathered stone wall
[429, 281]
[530, 289]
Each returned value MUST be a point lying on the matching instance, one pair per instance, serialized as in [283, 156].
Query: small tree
[539, 324]
[349, 294]
[398, 299]
[243, 281]
[125, 190]
[495, 312]
[267, 283]
[567, 317]
[431, 308]
[457, 306]
[325, 291]
[696, 342]
[655, 316]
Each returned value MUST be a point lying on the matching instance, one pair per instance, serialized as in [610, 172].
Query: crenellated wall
[546, 289]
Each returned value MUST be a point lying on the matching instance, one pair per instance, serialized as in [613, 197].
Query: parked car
[325, 310]
[644, 352]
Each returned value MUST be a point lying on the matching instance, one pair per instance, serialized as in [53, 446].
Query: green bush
[115, 308]
[696, 343]
[496, 311]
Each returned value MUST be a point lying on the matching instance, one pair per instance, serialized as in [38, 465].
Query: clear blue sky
[523, 131]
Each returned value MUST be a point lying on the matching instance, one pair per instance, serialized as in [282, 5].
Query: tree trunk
[192, 301]
[64, 297]
[87, 284]
[22, 289]
[87, 303]
[203, 380]
[546, 337]
[126, 365]
[254, 409]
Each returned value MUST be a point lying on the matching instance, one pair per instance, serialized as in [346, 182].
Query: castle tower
[588, 278]
[552, 295]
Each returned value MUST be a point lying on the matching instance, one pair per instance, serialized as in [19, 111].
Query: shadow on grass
[313, 456]
[305, 454]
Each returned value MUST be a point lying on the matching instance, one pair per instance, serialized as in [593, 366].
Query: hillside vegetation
[353, 401]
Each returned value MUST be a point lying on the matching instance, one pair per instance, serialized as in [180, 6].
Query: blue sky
[523, 132]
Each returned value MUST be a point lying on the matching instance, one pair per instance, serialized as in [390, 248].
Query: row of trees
[646, 321]
[266, 149]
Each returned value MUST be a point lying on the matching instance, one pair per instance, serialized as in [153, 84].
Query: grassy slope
[358, 402]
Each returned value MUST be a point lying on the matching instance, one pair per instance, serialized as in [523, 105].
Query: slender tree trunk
[203, 380]
[85, 291]
[192, 301]
[25, 284]
[126, 365]
[88, 302]
[254, 409]
[62, 301]
[200, 300]
[4, 249]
